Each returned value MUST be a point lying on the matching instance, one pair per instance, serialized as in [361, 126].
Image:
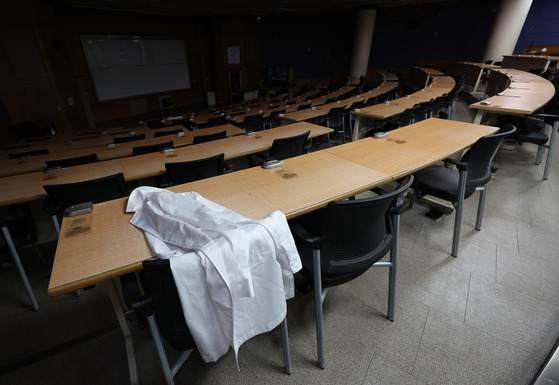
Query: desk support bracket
[112, 289]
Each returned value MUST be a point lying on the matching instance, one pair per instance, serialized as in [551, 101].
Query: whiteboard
[122, 67]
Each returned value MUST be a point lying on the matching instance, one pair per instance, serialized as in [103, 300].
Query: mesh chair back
[209, 137]
[371, 102]
[151, 148]
[423, 111]
[481, 154]
[253, 122]
[184, 172]
[275, 120]
[552, 107]
[357, 233]
[91, 158]
[15, 155]
[130, 138]
[284, 148]
[336, 117]
[357, 105]
[382, 98]
[186, 123]
[95, 191]
[165, 133]
[437, 105]
[155, 124]
[408, 115]
[216, 121]
[160, 285]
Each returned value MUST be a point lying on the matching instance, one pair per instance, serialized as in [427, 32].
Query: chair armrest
[132, 298]
[226, 168]
[311, 240]
[50, 207]
[460, 165]
[547, 117]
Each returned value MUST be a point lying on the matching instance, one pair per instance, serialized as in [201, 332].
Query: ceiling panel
[201, 8]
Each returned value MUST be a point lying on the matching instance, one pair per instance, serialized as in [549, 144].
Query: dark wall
[313, 46]
[541, 27]
[441, 31]
[401, 36]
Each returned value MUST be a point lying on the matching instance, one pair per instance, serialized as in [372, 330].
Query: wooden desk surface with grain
[114, 247]
[522, 93]
[413, 147]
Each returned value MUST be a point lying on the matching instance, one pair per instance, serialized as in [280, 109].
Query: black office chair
[342, 241]
[157, 134]
[69, 162]
[17, 230]
[436, 106]
[184, 172]
[60, 196]
[284, 148]
[474, 173]
[130, 138]
[304, 106]
[529, 130]
[140, 150]
[423, 111]
[26, 154]
[372, 101]
[335, 120]
[153, 124]
[253, 122]
[449, 105]
[162, 307]
[275, 120]
[289, 147]
[209, 137]
[216, 121]
[406, 118]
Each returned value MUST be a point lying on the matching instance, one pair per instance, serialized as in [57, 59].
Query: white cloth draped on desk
[233, 274]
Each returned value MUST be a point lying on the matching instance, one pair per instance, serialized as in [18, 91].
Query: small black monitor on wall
[122, 67]
[277, 76]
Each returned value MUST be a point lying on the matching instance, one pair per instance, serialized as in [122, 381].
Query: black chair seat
[441, 182]
[536, 137]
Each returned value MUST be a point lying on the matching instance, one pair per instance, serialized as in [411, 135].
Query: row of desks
[322, 110]
[439, 86]
[104, 152]
[27, 187]
[515, 92]
[113, 246]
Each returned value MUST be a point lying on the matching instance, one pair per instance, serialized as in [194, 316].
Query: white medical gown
[233, 274]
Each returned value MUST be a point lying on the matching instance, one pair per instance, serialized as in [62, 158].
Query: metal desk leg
[356, 127]
[19, 266]
[112, 289]
[479, 117]
[550, 149]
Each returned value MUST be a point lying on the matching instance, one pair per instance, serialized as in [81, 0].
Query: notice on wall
[233, 55]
